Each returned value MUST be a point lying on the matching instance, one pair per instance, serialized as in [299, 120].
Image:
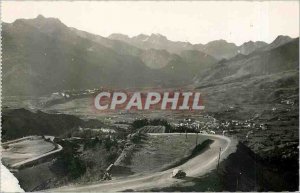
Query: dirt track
[195, 167]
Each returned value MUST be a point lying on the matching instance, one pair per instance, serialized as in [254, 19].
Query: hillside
[47, 56]
[256, 98]
[279, 59]
[47, 61]
[220, 49]
[249, 47]
[17, 123]
[280, 40]
[156, 55]
[188, 64]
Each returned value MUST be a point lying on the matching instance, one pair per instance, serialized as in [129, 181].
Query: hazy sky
[196, 22]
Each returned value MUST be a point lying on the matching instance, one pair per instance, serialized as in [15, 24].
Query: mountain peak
[141, 37]
[45, 24]
[118, 36]
[220, 42]
[40, 17]
[254, 43]
[157, 35]
[282, 38]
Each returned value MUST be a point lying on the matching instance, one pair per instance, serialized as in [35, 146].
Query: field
[161, 151]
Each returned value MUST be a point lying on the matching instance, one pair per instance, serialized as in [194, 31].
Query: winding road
[24, 151]
[195, 167]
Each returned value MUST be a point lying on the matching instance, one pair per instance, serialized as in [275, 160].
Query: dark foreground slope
[18, 123]
[242, 171]
[246, 171]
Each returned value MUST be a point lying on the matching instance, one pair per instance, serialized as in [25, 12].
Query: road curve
[58, 148]
[195, 167]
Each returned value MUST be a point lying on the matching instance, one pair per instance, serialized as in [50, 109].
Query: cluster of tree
[185, 129]
[107, 142]
[68, 162]
[88, 163]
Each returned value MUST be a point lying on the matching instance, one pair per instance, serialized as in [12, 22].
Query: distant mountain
[249, 47]
[47, 56]
[279, 59]
[121, 37]
[153, 58]
[156, 58]
[219, 49]
[280, 40]
[195, 62]
[154, 41]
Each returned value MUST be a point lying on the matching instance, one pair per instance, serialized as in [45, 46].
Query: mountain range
[43, 55]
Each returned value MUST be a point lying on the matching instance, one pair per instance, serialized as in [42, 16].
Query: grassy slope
[162, 151]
